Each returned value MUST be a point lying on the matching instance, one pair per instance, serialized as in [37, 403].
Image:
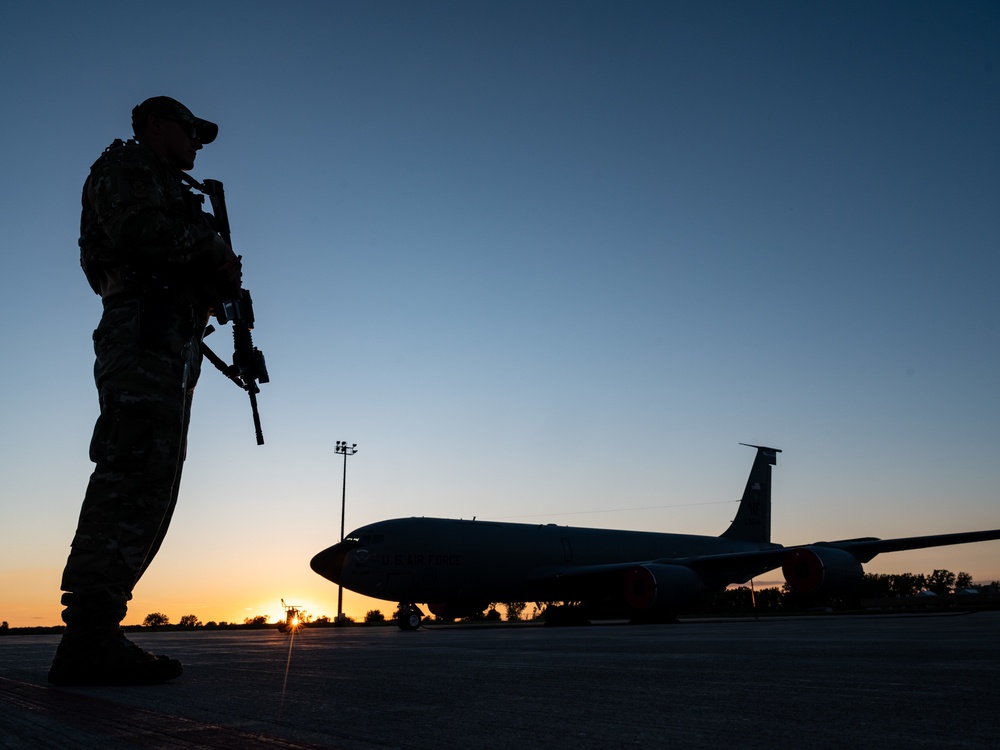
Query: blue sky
[541, 261]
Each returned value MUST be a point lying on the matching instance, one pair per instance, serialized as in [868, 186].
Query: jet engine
[811, 569]
[657, 586]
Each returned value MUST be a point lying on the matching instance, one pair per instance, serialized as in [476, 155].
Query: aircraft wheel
[410, 618]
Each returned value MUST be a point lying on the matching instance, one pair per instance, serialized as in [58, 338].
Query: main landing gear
[410, 617]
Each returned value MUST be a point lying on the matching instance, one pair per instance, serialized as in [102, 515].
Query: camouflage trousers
[147, 364]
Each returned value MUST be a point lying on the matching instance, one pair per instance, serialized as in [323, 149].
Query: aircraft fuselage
[437, 559]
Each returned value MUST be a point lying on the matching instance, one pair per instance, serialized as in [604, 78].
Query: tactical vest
[97, 254]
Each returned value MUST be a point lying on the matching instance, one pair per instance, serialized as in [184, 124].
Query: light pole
[346, 450]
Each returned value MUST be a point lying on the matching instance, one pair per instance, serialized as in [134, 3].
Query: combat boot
[102, 655]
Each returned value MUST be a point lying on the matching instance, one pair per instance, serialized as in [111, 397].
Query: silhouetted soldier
[155, 258]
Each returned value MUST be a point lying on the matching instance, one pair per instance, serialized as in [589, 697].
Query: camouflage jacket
[139, 220]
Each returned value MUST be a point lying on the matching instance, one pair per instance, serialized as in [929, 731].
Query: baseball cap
[173, 110]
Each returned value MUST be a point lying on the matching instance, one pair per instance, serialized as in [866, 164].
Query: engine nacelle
[656, 586]
[811, 569]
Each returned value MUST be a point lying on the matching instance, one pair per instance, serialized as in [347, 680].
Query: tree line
[874, 586]
[939, 582]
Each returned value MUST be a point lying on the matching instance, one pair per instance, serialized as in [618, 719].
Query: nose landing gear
[410, 617]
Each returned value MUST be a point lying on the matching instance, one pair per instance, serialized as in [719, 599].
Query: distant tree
[741, 599]
[888, 585]
[514, 610]
[373, 617]
[475, 616]
[538, 610]
[492, 615]
[4, 628]
[256, 622]
[963, 581]
[155, 620]
[190, 621]
[211, 624]
[941, 581]
[769, 599]
[907, 584]
[876, 585]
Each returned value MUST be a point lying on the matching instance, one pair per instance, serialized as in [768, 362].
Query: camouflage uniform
[149, 250]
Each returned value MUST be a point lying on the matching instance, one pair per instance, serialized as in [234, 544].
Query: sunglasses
[189, 128]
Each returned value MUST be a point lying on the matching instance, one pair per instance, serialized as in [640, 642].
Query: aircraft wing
[739, 567]
[865, 549]
[715, 570]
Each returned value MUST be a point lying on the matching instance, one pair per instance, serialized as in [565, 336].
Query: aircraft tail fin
[753, 519]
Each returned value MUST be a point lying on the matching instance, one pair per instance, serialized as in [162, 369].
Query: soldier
[155, 258]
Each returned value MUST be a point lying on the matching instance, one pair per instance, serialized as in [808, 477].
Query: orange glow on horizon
[32, 594]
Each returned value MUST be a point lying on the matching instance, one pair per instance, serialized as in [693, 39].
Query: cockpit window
[365, 539]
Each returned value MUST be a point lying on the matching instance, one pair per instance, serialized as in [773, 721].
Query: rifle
[248, 367]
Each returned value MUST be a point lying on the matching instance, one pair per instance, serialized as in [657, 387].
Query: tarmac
[857, 681]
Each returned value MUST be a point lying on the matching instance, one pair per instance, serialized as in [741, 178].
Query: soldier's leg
[138, 446]
[175, 484]
[138, 449]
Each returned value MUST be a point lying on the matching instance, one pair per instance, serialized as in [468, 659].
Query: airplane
[457, 567]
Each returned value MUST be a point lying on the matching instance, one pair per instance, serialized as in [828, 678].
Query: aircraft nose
[330, 562]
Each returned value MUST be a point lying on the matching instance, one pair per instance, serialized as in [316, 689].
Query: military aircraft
[458, 567]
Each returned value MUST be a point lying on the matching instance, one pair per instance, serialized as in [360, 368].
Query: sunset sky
[541, 261]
